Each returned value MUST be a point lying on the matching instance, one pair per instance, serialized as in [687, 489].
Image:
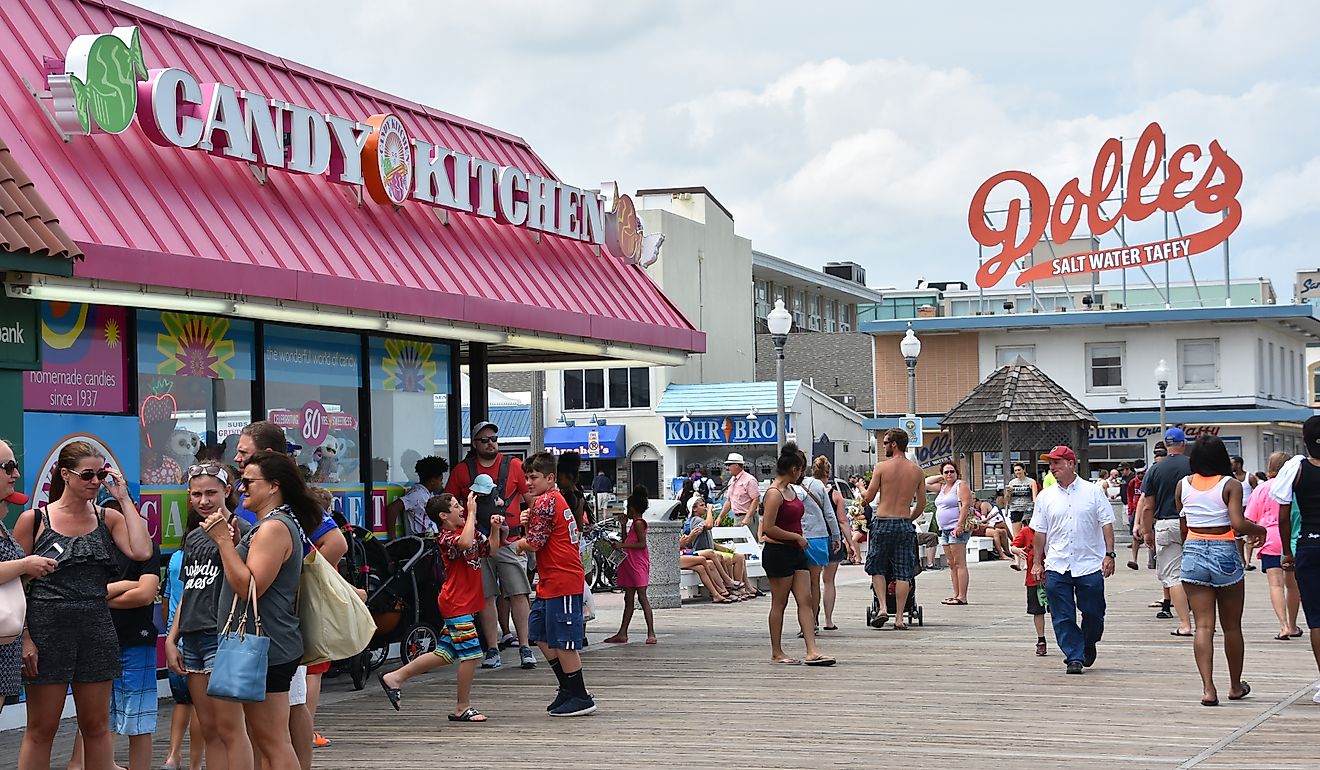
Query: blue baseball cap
[1175, 436]
[483, 484]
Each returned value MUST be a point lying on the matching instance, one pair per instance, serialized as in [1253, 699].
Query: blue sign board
[711, 431]
[590, 441]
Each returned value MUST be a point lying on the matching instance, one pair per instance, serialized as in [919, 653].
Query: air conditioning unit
[844, 327]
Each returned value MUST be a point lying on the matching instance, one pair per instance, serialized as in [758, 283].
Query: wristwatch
[1111, 554]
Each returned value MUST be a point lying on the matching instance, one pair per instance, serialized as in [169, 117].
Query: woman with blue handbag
[261, 582]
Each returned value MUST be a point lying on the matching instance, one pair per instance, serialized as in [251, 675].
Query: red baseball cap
[1060, 452]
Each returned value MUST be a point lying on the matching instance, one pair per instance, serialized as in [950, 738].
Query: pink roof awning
[184, 219]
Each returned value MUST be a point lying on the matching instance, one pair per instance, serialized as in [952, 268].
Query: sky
[853, 131]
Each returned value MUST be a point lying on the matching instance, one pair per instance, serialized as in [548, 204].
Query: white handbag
[336, 624]
[13, 610]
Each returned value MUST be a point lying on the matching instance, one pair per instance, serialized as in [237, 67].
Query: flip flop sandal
[393, 693]
[830, 628]
[1176, 632]
[787, 662]
[1299, 633]
[471, 715]
[879, 621]
[823, 660]
[1214, 702]
[1283, 637]
[616, 639]
[652, 640]
[1246, 690]
[904, 627]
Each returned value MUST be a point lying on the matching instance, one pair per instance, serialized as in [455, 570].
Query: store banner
[312, 357]
[187, 345]
[114, 437]
[409, 366]
[84, 360]
[166, 509]
[381, 497]
[733, 429]
[20, 330]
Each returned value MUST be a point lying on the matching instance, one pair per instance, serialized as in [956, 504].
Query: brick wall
[838, 364]
[947, 370]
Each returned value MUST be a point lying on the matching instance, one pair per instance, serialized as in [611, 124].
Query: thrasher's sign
[1214, 192]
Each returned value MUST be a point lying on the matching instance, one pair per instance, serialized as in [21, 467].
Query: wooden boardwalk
[965, 689]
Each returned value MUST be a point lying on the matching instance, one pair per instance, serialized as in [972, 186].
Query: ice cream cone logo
[728, 430]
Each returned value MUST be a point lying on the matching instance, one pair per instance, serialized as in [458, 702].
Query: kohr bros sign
[706, 431]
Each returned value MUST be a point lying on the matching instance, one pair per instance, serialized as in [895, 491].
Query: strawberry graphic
[157, 413]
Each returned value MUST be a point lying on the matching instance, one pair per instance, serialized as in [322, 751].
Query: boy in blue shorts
[555, 623]
[461, 547]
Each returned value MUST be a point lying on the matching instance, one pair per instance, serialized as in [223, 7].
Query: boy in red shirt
[555, 624]
[1024, 545]
[461, 547]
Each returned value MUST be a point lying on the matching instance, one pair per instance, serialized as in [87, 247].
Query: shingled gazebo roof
[1017, 405]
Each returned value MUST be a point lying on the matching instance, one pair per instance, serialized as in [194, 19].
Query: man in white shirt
[1074, 525]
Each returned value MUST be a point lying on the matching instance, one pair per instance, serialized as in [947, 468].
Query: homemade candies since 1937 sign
[1212, 191]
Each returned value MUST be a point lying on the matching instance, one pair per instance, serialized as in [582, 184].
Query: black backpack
[493, 503]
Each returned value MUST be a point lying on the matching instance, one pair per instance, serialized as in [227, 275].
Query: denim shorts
[557, 621]
[1213, 563]
[197, 648]
[947, 538]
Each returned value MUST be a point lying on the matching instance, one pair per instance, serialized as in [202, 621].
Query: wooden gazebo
[1019, 408]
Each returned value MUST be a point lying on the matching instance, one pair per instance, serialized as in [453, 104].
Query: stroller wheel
[419, 640]
[357, 669]
[921, 617]
[376, 656]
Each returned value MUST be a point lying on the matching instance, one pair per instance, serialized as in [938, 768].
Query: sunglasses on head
[10, 467]
[209, 469]
[89, 474]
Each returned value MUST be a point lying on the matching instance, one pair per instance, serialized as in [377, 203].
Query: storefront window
[195, 377]
[409, 383]
[313, 380]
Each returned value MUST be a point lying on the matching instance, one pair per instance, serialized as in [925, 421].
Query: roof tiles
[27, 224]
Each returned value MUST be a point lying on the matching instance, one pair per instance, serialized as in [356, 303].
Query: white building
[1236, 372]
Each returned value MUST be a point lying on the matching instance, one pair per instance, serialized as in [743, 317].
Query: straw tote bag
[241, 660]
[336, 624]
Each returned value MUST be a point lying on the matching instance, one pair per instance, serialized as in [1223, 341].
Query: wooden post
[1008, 464]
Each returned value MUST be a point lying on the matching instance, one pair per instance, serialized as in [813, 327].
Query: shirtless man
[892, 548]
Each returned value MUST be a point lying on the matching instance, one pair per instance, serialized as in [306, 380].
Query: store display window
[312, 384]
[410, 386]
[195, 375]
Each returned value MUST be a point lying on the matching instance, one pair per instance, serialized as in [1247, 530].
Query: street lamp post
[1162, 379]
[779, 321]
[911, 348]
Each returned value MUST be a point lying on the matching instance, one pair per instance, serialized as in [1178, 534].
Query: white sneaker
[1316, 697]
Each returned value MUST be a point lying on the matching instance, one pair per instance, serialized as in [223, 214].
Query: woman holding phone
[70, 638]
[14, 564]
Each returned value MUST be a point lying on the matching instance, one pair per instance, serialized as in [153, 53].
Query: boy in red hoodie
[1023, 545]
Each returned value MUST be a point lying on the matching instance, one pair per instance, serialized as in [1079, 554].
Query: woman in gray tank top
[270, 555]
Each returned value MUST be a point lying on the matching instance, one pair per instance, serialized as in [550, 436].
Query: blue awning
[609, 441]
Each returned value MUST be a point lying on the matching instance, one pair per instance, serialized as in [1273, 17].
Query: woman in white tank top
[1210, 504]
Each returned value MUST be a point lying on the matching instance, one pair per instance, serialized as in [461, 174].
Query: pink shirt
[1264, 510]
[743, 493]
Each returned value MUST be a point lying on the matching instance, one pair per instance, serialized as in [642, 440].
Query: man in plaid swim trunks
[891, 552]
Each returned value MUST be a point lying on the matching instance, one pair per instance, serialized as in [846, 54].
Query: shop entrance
[645, 461]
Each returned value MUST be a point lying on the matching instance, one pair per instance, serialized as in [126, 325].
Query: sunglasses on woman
[10, 467]
[208, 469]
[89, 474]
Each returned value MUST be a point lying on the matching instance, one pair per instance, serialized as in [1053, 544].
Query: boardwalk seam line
[1232, 737]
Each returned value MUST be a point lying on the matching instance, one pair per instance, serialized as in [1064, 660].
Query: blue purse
[242, 658]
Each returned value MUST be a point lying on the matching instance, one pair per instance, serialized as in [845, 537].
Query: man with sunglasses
[504, 573]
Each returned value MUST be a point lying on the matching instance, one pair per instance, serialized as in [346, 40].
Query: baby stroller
[912, 610]
[402, 579]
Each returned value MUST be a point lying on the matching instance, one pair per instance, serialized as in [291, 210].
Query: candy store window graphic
[83, 360]
[313, 379]
[409, 417]
[194, 388]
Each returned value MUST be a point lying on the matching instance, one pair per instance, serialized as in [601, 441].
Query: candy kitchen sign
[1214, 191]
[103, 84]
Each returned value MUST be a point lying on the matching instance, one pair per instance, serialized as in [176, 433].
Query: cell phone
[55, 551]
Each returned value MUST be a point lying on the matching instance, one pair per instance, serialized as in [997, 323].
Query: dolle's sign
[1073, 204]
[103, 83]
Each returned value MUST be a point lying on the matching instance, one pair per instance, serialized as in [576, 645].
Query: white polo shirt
[1073, 519]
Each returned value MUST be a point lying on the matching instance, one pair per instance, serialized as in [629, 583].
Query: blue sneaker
[492, 660]
[560, 698]
[574, 706]
[528, 657]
